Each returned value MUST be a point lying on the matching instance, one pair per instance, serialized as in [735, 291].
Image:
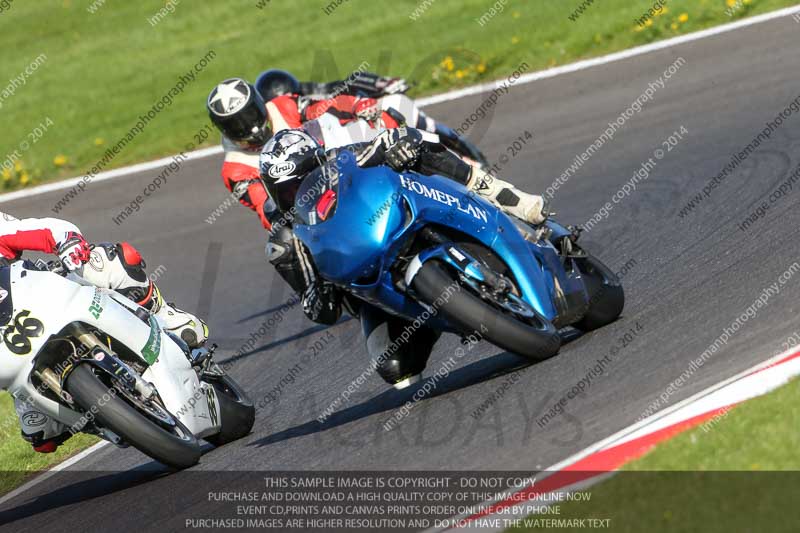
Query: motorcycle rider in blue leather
[399, 362]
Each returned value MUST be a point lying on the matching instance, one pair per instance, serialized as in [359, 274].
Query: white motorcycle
[98, 363]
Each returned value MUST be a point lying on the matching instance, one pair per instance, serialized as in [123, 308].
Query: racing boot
[192, 330]
[528, 207]
[398, 350]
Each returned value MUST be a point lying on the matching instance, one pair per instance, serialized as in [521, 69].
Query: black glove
[405, 151]
[372, 85]
[322, 303]
[392, 85]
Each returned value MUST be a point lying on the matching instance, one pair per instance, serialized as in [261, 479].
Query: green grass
[731, 475]
[105, 69]
[18, 461]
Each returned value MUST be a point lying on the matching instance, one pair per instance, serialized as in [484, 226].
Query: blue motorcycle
[425, 248]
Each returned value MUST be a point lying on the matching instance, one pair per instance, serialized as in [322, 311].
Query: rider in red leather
[50, 236]
[237, 109]
[249, 115]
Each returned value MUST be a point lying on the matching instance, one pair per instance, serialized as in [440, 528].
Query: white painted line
[755, 381]
[111, 174]
[47, 474]
[610, 58]
[438, 98]
[668, 411]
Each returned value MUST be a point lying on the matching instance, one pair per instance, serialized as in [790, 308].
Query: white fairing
[335, 135]
[55, 302]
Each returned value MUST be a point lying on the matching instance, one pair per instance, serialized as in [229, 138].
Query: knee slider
[401, 365]
[409, 357]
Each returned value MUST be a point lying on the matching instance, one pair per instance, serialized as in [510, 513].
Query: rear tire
[236, 410]
[606, 296]
[133, 427]
[472, 314]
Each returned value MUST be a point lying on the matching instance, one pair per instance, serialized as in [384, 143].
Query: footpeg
[543, 233]
[112, 437]
[575, 232]
[198, 356]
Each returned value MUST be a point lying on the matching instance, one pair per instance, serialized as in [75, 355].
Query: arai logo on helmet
[281, 169]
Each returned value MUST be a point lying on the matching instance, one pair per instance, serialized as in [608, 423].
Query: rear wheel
[606, 297]
[174, 446]
[237, 412]
[502, 321]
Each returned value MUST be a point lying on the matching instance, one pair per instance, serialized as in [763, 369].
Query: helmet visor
[249, 122]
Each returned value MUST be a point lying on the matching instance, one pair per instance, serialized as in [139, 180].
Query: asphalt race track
[687, 279]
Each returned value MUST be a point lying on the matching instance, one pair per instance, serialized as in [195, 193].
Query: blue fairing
[377, 211]
[347, 247]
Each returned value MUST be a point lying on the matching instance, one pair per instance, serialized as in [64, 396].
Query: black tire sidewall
[238, 417]
[133, 427]
[471, 314]
[606, 296]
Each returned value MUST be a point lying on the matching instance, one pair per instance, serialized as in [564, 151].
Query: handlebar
[54, 266]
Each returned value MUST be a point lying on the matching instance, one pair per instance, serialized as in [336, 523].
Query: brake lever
[57, 267]
[49, 266]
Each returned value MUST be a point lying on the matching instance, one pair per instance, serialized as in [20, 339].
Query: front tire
[536, 341]
[178, 451]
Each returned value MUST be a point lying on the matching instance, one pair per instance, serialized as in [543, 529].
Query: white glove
[74, 252]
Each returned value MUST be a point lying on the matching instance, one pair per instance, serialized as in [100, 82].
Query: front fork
[472, 271]
[104, 359]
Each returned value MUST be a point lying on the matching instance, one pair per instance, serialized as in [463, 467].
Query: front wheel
[533, 337]
[176, 447]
